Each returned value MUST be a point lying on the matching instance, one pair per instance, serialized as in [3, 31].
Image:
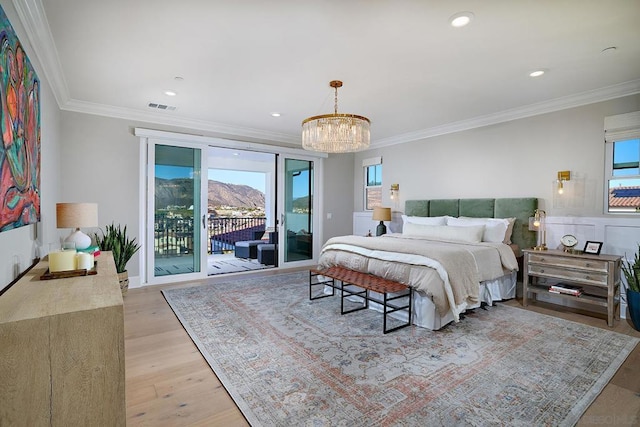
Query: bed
[454, 253]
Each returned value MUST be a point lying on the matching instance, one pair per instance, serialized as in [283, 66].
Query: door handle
[204, 221]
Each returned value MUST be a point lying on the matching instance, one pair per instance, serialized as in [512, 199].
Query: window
[372, 182]
[622, 168]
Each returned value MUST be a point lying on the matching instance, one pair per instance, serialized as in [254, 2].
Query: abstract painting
[20, 133]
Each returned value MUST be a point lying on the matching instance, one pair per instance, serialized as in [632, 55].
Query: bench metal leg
[387, 312]
[364, 294]
[326, 282]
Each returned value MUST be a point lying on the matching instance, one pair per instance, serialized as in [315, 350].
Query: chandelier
[336, 133]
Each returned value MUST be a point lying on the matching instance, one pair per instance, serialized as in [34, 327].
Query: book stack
[563, 288]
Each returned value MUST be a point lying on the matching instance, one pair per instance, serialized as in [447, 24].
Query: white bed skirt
[425, 314]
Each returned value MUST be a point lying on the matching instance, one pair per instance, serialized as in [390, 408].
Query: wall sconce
[539, 224]
[563, 176]
[395, 190]
[394, 194]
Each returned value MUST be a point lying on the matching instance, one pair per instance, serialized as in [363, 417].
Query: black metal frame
[387, 303]
[328, 281]
[347, 290]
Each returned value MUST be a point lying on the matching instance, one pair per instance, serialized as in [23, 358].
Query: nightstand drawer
[587, 277]
[589, 264]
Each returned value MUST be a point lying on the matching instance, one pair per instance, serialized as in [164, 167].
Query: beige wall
[19, 246]
[338, 196]
[520, 158]
[100, 163]
[92, 158]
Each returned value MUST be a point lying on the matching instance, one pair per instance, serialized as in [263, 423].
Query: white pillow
[495, 228]
[507, 236]
[425, 220]
[467, 234]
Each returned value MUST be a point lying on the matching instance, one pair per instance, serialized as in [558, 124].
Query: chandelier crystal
[336, 133]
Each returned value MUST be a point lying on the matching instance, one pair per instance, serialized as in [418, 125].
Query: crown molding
[31, 13]
[165, 118]
[34, 21]
[597, 95]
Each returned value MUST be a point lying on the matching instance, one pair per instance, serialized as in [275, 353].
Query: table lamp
[77, 215]
[381, 214]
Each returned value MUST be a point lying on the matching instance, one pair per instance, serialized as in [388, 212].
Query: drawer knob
[542, 270]
[588, 264]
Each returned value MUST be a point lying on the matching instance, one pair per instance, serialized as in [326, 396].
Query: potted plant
[631, 272]
[115, 239]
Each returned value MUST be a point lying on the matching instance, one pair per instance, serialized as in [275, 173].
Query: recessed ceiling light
[461, 19]
[170, 93]
[536, 73]
[275, 114]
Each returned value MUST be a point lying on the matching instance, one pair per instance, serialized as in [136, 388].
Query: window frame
[619, 128]
[366, 165]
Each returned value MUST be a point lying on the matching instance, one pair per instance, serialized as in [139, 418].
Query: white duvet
[449, 272]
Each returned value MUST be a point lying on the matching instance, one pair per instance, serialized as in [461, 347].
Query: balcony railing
[174, 236]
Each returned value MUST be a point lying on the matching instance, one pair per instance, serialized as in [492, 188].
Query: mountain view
[179, 191]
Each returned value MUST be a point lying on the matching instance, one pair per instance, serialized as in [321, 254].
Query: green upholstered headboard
[520, 208]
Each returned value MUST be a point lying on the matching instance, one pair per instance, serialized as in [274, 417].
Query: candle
[62, 261]
[83, 261]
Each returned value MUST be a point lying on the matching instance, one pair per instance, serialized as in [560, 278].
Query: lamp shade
[76, 215]
[381, 214]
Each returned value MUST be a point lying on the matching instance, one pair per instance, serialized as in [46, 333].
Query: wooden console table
[62, 350]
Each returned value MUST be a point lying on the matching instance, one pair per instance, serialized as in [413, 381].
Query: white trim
[371, 161]
[36, 26]
[225, 143]
[167, 118]
[622, 121]
[617, 128]
[33, 17]
[597, 95]
[622, 126]
[142, 207]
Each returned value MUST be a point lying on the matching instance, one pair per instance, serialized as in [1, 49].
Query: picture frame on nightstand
[592, 248]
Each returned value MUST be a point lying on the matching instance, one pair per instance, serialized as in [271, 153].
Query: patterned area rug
[286, 360]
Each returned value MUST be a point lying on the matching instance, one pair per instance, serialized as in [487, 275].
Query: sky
[255, 180]
[626, 151]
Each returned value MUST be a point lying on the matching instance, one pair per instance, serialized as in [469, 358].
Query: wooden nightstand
[598, 275]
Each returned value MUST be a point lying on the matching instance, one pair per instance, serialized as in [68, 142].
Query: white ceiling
[402, 64]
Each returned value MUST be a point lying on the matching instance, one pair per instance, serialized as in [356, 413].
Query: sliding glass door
[297, 221]
[179, 231]
[174, 213]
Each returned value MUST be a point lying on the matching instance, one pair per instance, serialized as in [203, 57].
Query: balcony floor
[216, 264]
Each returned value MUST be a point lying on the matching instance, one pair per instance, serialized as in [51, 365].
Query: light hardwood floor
[168, 382]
